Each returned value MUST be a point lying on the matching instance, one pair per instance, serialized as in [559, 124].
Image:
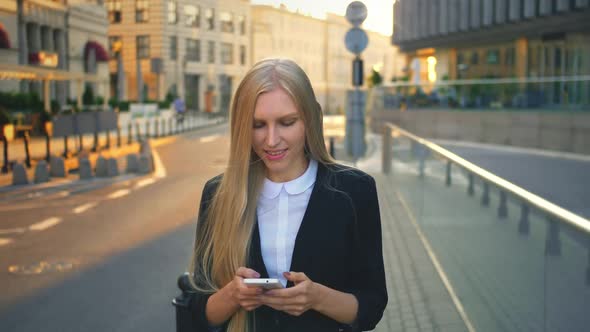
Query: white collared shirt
[280, 210]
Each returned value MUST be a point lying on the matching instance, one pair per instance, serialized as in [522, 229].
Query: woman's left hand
[294, 300]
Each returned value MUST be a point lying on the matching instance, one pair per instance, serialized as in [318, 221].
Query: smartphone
[263, 282]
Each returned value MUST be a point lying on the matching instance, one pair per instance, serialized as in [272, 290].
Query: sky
[379, 18]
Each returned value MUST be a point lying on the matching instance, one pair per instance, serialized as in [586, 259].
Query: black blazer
[338, 245]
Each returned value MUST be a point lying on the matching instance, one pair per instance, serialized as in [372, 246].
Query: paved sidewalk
[418, 298]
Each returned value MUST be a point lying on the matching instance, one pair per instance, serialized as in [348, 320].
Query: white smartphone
[266, 283]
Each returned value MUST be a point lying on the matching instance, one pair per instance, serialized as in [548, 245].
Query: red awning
[4, 40]
[99, 51]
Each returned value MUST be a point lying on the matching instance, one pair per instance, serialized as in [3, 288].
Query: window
[192, 16]
[193, 50]
[114, 10]
[227, 22]
[172, 12]
[211, 52]
[173, 48]
[142, 8]
[210, 18]
[474, 58]
[115, 45]
[227, 53]
[143, 47]
[242, 24]
[242, 55]
[493, 57]
[509, 56]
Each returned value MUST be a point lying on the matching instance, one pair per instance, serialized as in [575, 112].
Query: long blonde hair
[224, 243]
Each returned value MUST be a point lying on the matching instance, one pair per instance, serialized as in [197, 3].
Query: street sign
[356, 13]
[356, 40]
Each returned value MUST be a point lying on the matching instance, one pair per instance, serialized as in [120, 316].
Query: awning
[99, 51]
[4, 39]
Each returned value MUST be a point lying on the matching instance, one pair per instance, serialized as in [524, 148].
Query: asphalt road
[105, 256]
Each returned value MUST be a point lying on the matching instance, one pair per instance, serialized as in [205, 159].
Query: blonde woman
[284, 209]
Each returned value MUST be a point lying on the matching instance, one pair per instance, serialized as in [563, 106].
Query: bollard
[470, 190]
[137, 132]
[108, 133]
[41, 172]
[5, 154]
[47, 147]
[552, 242]
[132, 163]
[112, 167]
[65, 154]
[485, 197]
[156, 128]
[387, 153]
[145, 163]
[27, 150]
[184, 320]
[502, 208]
[19, 175]
[81, 142]
[163, 125]
[129, 133]
[84, 169]
[118, 136]
[448, 177]
[57, 167]
[147, 128]
[95, 144]
[523, 224]
[101, 167]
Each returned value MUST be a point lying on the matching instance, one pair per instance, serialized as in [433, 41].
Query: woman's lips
[275, 154]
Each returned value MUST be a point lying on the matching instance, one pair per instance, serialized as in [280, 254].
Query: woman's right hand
[246, 297]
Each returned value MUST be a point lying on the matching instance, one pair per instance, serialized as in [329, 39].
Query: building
[55, 41]
[317, 45]
[197, 50]
[473, 39]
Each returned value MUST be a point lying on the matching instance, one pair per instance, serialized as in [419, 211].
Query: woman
[283, 209]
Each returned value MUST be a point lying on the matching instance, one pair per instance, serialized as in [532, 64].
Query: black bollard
[552, 241]
[523, 224]
[108, 139]
[65, 154]
[81, 141]
[147, 129]
[485, 197]
[118, 136]
[502, 208]
[47, 147]
[470, 189]
[137, 132]
[448, 177]
[184, 321]
[129, 133]
[5, 146]
[95, 144]
[27, 150]
[156, 128]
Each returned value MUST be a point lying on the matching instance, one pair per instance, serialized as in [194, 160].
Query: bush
[5, 117]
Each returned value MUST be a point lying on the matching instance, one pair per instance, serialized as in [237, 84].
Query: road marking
[208, 139]
[160, 170]
[4, 241]
[144, 182]
[83, 208]
[45, 224]
[119, 193]
[18, 230]
[437, 265]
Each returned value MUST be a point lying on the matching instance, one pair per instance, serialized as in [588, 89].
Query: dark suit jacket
[338, 245]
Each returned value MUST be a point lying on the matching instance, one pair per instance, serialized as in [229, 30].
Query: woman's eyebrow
[284, 117]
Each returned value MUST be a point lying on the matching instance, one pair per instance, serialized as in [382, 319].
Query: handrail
[538, 202]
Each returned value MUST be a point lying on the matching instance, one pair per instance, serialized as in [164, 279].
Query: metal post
[523, 225]
[137, 131]
[387, 153]
[95, 144]
[502, 208]
[448, 177]
[163, 125]
[170, 132]
[47, 147]
[5, 146]
[552, 242]
[81, 141]
[485, 197]
[147, 129]
[118, 136]
[156, 128]
[470, 190]
[27, 150]
[108, 139]
[129, 133]
[65, 154]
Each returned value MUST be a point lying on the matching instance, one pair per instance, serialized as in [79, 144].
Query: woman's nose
[272, 137]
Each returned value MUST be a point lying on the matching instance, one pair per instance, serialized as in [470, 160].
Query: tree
[376, 78]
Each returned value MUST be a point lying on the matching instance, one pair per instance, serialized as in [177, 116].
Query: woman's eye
[288, 123]
[258, 125]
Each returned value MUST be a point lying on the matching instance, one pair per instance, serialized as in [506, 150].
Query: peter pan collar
[294, 187]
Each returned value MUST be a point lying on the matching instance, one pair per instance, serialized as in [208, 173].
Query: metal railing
[528, 199]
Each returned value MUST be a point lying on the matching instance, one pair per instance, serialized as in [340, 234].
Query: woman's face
[279, 136]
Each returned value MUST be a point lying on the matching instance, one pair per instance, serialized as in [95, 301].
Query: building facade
[317, 45]
[59, 35]
[473, 39]
[197, 50]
